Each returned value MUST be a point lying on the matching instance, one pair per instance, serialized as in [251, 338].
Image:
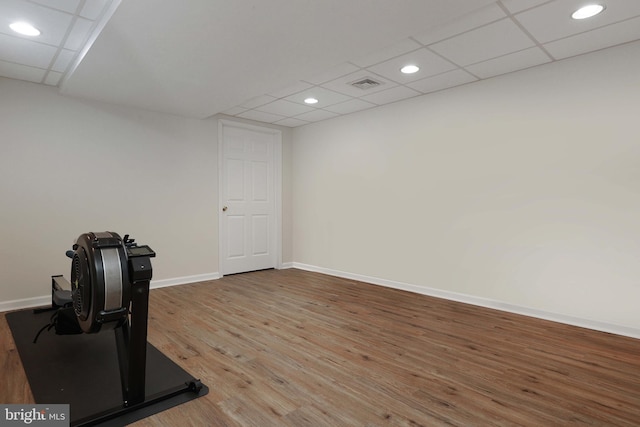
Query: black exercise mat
[82, 370]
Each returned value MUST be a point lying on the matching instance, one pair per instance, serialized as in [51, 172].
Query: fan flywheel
[100, 281]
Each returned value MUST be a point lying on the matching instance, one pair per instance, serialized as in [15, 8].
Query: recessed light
[311, 100]
[587, 11]
[410, 69]
[25, 29]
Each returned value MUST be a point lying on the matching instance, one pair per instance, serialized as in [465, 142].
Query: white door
[249, 197]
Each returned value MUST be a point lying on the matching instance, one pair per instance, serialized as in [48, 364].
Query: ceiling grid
[500, 37]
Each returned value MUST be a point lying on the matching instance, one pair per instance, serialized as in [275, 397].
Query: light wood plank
[15, 388]
[294, 348]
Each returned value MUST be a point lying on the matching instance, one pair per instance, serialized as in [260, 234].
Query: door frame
[277, 184]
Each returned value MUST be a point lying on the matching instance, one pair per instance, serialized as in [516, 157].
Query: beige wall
[522, 189]
[69, 166]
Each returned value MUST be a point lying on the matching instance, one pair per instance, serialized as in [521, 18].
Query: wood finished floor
[293, 348]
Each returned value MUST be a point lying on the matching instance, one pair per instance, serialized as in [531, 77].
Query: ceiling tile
[343, 84]
[21, 51]
[508, 63]
[53, 78]
[21, 72]
[52, 23]
[93, 9]
[63, 60]
[430, 64]
[284, 108]
[234, 111]
[79, 34]
[291, 122]
[316, 115]
[290, 90]
[553, 21]
[260, 116]
[465, 23]
[406, 45]
[515, 6]
[333, 73]
[350, 106]
[442, 81]
[484, 43]
[258, 101]
[596, 39]
[69, 6]
[324, 96]
[391, 95]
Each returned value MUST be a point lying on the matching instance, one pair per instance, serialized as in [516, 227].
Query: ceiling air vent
[366, 83]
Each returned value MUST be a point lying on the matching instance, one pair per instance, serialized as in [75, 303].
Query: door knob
[224, 208]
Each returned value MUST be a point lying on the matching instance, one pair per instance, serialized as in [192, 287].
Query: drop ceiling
[259, 59]
[68, 27]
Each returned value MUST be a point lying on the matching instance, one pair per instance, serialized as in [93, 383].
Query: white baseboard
[20, 304]
[424, 290]
[479, 301]
[155, 284]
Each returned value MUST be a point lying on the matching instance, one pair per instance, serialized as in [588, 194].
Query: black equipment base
[83, 371]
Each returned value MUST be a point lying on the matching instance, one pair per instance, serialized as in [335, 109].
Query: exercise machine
[109, 291]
